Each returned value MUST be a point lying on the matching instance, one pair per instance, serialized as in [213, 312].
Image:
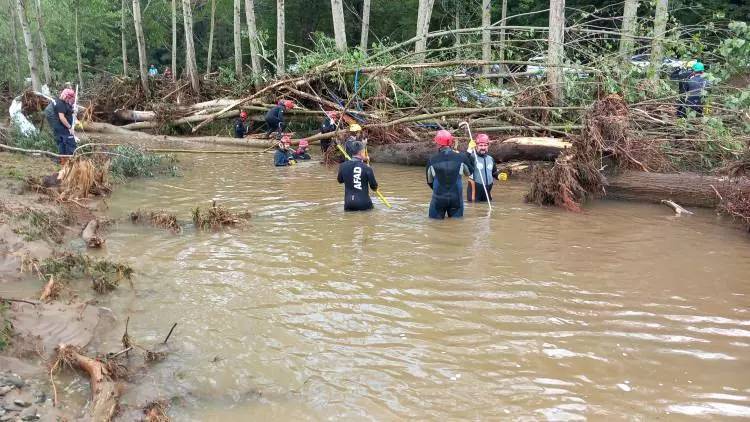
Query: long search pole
[476, 163]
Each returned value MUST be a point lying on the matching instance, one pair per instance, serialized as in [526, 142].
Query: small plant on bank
[105, 275]
[6, 328]
[129, 161]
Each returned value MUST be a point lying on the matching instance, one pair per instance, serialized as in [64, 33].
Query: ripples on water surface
[620, 312]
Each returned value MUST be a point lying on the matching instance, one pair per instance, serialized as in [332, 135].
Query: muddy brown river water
[622, 312]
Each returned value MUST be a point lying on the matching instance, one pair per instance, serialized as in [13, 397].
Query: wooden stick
[170, 332]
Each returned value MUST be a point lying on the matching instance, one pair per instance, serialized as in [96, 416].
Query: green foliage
[105, 275]
[6, 328]
[40, 141]
[736, 49]
[36, 225]
[133, 162]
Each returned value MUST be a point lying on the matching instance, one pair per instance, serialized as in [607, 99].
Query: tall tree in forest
[211, 37]
[660, 28]
[424, 14]
[365, 26]
[280, 40]
[79, 62]
[503, 24]
[486, 34]
[14, 41]
[556, 51]
[252, 35]
[122, 39]
[174, 38]
[29, 42]
[339, 25]
[192, 68]
[457, 24]
[237, 39]
[141, 46]
[629, 20]
[43, 42]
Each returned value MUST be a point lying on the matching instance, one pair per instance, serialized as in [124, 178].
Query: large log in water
[687, 189]
[531, 149]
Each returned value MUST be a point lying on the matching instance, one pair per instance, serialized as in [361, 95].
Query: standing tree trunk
[252, 35]
[122, 39]
[79, 62]
[13, 34]
[237, 40]
[457, 18]
[174, 38]
[629, 20]
[556, 52]
[423, 27]
[29, 42]
[660, 28]
[211, 37]
[503, 24]
[43, 42]
[486, 35]
[365, 26]
[192, 68]
[141, 46]
[280, 42]
[339, 25]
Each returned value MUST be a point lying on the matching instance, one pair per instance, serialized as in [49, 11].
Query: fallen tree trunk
[103, 389]
[418, 153]
[687, 189]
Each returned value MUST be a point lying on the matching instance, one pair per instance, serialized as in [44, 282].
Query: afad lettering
[358, 178]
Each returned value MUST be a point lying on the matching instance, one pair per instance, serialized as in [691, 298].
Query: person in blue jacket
[444, 171]
[696, 89]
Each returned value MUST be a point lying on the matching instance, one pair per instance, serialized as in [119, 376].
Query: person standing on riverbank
[275, 116]
[696, 89]
[357, 178]
[485, 169]
[59, 114]
[444, 171]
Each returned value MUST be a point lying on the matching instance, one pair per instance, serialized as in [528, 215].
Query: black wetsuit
[281, 157]
[696, 86]
[300, 155]
[356, 177]
[239, 128]
[275, 119]
[444, 172]
[328, 126]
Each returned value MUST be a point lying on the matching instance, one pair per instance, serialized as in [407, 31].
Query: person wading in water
[59, 115]
[444, 171]
[357, 177]
[485, 170]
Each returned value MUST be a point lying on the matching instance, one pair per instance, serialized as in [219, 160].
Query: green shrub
[130, 161]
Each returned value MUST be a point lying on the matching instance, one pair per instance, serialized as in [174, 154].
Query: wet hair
[354, 147]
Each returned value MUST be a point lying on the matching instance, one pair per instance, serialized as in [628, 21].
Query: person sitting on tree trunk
[275, 116]
[240, 128]
[357, 177]
[485, 169]
[59, 115]
[696, 88]
[444, 171]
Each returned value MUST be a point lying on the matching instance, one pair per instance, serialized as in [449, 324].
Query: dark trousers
[274, 125]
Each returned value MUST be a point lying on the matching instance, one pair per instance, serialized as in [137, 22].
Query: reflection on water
[312, 313]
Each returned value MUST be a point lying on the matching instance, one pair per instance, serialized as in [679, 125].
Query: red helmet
[288, 104]
[243, 115]
[483, 139]
[304, 143]
[443, 138]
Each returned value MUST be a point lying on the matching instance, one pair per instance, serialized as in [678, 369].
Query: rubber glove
[472, 146]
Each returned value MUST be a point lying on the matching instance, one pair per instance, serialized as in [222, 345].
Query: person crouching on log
[59, 114]
[485, 169]
[275, 117]
[328, 126]
[240, 127]
[357, 177]
[444, 171]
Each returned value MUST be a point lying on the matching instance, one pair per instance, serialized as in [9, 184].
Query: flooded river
[620, 312]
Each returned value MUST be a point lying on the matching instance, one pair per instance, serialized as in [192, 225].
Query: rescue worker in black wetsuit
[357, 177]
[681, 75]
[444, 171]
[328, 126]
[240, 128]
[485, 169]
[275, 117]
[284, 155]
[355, 134]
[696, 88]
[59, 114]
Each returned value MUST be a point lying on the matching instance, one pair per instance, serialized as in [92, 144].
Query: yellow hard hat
[355, 128]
